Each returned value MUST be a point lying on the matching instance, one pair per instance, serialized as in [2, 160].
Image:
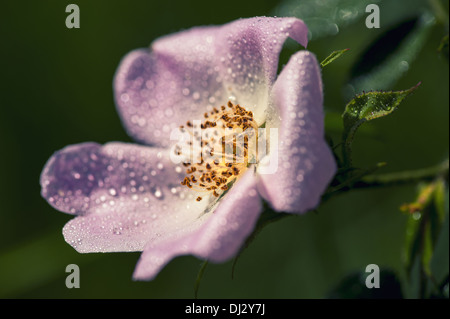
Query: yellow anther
[215, 175]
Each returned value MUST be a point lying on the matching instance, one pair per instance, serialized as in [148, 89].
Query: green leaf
[427, 249]
[424, 222]
[390, 56]
[412, 243]
[443, 47]
[440, 200]
[328, 18]
[437, 210]
[333, 56]
[427, 240]
[415, 282]
[439, 264]
[321, 16]
[366, 107]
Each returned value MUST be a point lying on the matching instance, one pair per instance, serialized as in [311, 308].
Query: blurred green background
[56, 86]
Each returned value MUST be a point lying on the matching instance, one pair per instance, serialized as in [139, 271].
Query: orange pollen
[217, 162]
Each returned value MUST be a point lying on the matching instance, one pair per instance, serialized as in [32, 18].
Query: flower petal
[305, 161]
[216, 237]
[188, 73]
[127, 194]
[250, 49]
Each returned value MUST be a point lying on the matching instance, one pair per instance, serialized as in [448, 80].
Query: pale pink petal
[127, 195]
[305, 162]
[186, 74]
[216, 236]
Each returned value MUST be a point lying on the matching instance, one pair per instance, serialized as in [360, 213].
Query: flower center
[218, 149]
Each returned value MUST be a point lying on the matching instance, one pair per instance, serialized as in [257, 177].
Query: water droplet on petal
[158, 193]
[196, 95]
[124, 97]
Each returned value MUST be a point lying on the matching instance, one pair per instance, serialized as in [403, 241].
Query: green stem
[347, 147]
[199, 278]
[405, 177]
[439, 11]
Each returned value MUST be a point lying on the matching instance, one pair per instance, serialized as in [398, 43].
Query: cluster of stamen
[217, 158]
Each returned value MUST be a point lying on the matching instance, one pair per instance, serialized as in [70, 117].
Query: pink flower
[130, 197]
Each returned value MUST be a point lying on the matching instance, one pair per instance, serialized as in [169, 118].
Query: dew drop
[124, 97]
[168, 112]
[158, 193]
[196, 95]
[232, 98]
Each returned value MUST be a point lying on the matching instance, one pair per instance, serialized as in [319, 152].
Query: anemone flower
[130, 197]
